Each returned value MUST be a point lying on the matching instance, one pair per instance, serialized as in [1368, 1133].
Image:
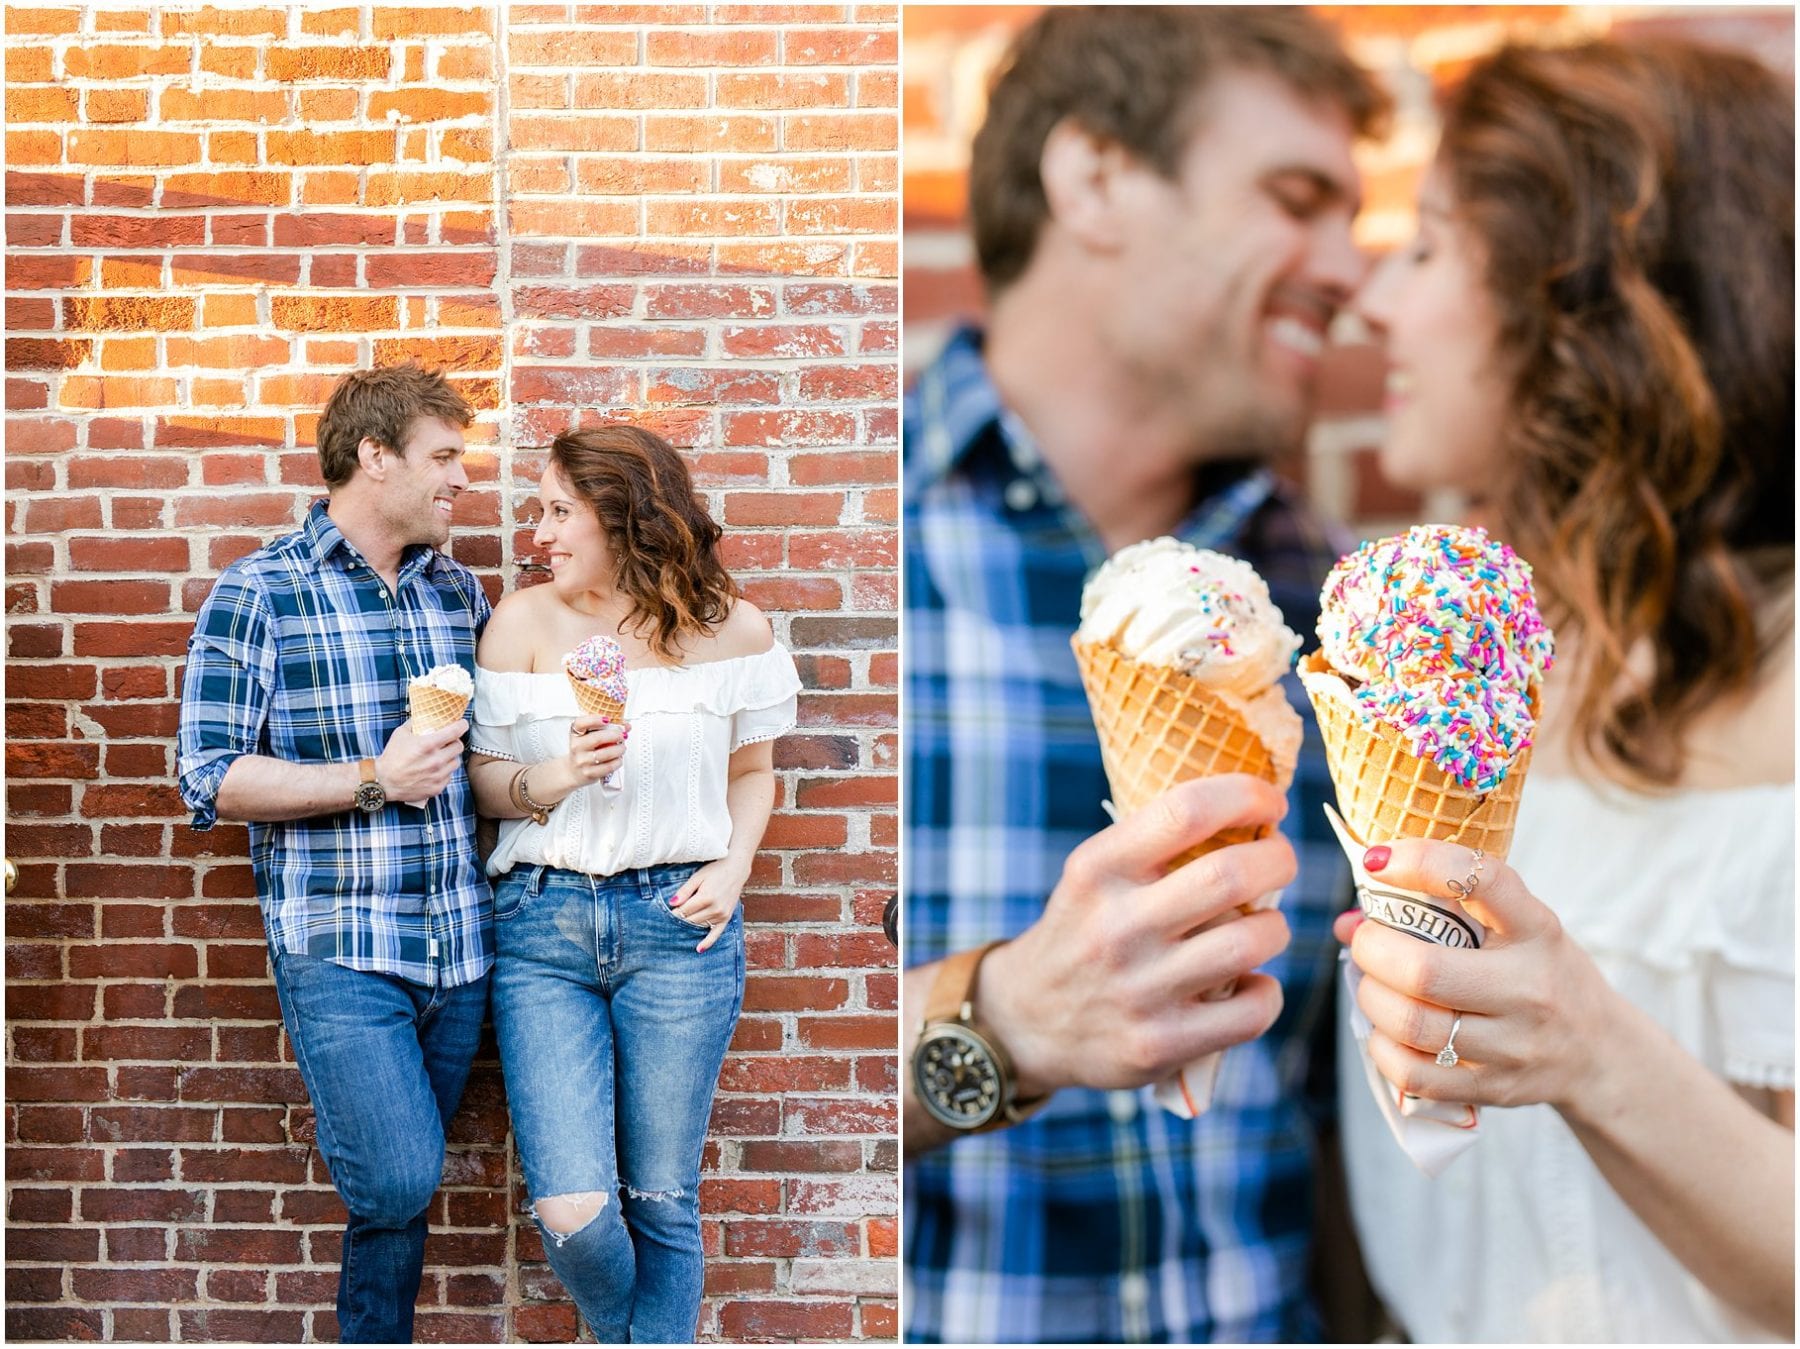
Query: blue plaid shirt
[1103, 1218]
[301, 653]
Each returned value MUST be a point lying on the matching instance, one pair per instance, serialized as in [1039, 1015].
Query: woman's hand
[1536, 1011]
[596, 747]
[710, 895]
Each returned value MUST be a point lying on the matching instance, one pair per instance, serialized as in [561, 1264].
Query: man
[294, 718]
[1162, 201]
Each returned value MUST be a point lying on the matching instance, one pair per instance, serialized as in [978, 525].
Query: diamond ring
[1446, 1057]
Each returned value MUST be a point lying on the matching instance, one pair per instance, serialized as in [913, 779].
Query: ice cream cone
[1385, 791]
[432, 707]
[1159, 727]
[594, 703]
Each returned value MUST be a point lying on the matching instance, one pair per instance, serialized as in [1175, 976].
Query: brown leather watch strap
[954, 984]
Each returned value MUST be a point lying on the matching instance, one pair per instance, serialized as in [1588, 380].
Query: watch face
[370, 797]
[956, 1078]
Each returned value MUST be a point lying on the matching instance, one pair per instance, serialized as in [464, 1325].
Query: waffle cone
[1386, 791]
[433, 707]
[1159, 727]
[594, 703]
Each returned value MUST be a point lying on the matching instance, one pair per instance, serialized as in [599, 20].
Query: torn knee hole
[564, 1215]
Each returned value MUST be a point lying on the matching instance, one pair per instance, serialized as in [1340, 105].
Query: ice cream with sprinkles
[1168, 603]
[599, 664]
[1438, 632]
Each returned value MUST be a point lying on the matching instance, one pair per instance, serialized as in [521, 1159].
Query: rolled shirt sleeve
[224, 693]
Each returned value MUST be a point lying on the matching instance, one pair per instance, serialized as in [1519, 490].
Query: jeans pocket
[515, 888]
[665, 890]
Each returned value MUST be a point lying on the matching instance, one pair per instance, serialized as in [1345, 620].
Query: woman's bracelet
[538, 813]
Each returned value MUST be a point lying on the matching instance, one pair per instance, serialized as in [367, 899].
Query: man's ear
[1081, 176]
[371, 454]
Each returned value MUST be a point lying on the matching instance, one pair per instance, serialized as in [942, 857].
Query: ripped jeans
[612, 1031]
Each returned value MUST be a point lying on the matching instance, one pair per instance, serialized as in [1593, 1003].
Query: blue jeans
[385, 1061]
[612, 1032]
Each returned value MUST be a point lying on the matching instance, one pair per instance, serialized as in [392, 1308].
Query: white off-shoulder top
[1686, 903]
[669, 802]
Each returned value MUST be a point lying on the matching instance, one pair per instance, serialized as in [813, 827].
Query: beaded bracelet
[538, 813]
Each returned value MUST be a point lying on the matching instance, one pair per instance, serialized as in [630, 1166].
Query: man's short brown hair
[1133, 74]
[382, 404]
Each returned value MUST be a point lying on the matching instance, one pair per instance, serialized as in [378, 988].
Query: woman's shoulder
[1747, 740]
[745, 632]
[515, 629]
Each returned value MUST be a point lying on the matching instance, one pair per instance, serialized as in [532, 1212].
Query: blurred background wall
[950, 52]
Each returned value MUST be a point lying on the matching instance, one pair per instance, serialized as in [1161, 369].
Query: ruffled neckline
[720, 687]
[483, 672]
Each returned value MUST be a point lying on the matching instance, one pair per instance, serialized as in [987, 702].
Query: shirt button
[1122, 1106]
[1134, 1290]
[1021, 494]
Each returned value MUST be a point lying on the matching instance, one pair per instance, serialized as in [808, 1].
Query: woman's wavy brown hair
[1635, 206]
[666, 544]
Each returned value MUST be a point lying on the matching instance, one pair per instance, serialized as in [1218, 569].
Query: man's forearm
[268, 790]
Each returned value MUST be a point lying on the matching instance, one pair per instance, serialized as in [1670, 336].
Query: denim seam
[325, 1135]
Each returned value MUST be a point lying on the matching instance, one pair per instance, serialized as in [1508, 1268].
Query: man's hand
[1105, 990]
[415, 767]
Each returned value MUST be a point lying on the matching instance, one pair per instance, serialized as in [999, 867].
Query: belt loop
[535, 886]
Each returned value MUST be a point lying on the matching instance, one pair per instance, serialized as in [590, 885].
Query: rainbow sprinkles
[1438, 630]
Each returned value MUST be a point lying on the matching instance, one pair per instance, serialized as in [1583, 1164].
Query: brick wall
[681, 214]
[951, 51]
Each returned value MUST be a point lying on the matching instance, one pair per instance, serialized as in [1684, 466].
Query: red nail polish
[1376, 858]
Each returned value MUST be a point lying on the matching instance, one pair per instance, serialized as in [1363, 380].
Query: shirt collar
[327, 541]
[957, 405]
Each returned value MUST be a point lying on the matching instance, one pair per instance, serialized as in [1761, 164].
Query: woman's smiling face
[579, 554]
[1447, 398]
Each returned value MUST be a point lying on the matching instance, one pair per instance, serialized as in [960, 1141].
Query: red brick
[783, 341]
[155, 149]
[840, 131]
[840, 46]
[565, 48]
[787, 89]
[372, 62]
[231, 1324]
[786, 1239]
[789, 1321]
[848, 1032]
[711, 134]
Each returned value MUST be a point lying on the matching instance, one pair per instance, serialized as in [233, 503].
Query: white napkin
[1432, 1133]
[1189, 1093]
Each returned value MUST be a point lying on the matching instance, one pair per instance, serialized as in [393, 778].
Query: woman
[620, 965]
[1593, 337]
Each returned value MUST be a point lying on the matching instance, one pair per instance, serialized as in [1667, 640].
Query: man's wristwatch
[961, 1074]
[370, 797]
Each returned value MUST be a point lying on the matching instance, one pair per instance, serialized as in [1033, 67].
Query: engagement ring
[1446, 1057]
